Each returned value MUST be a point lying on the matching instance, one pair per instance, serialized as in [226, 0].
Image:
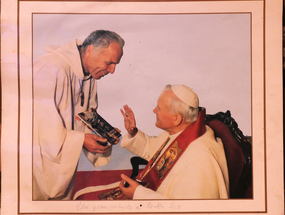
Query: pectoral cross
[82, 98]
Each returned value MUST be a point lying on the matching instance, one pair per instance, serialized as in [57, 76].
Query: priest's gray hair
[176, 105]
[102, 39]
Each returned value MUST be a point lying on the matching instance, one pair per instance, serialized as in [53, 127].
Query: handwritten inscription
[155, 206]
[111, 207]
[174, 206]
[81, 206]
[87, 206]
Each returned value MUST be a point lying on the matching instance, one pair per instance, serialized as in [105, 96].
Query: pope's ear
[178, 119]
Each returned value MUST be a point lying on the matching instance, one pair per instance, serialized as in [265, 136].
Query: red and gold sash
[155, 172]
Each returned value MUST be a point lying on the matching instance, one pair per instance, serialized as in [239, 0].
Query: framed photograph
[228, 52]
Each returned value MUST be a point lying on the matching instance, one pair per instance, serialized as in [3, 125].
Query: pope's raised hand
[129, 120]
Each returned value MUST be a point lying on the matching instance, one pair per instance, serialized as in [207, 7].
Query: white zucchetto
[186, 94]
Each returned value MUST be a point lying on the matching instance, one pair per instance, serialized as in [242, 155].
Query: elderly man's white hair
[185, 102]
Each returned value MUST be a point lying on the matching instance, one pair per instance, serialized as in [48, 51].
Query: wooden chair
[238, 153]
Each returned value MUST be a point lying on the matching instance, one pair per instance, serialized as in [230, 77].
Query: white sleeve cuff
[98, 159]
[145, 193]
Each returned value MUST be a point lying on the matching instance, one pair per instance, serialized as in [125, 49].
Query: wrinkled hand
[91, 143]
[129, 120]
[130, 190]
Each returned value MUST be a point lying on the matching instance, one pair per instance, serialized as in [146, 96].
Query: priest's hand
[129, 119]
[130, 190]
[95, 144]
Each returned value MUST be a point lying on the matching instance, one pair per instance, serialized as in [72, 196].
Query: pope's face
[164, 119]
[102, 61]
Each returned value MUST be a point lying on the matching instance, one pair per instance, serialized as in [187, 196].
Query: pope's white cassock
[58, 137]
[200, 173]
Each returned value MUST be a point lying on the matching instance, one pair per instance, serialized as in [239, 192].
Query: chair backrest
[238, 153]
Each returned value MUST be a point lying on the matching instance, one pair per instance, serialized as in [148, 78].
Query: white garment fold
[92, 189]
